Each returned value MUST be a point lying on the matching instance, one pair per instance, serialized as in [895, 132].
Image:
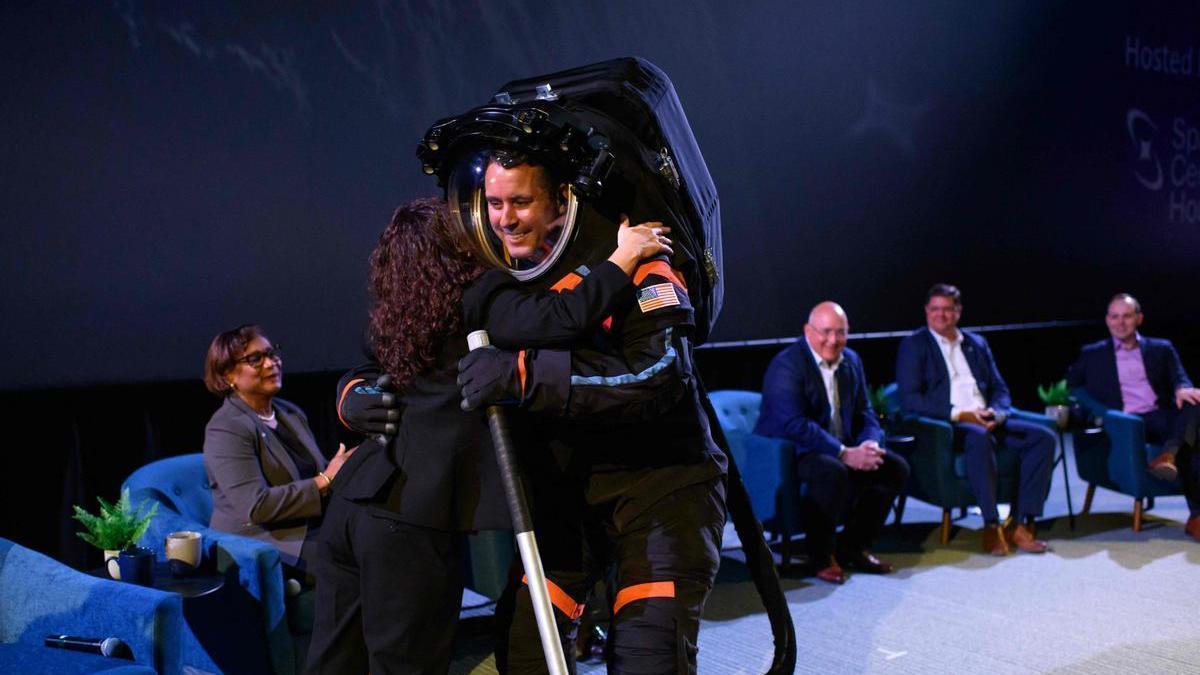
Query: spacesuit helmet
[581, 150]
[518, 211]
[513, 176]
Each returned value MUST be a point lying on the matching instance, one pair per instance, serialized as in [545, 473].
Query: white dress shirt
[964, 391]
[827, 374]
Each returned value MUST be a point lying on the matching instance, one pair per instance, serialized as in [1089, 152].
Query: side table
[219, 615]
[1062, 457]
[189, 587]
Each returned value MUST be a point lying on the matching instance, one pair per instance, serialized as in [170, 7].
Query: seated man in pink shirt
[1143, 376]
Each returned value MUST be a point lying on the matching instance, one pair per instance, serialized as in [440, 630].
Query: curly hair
[418, 271]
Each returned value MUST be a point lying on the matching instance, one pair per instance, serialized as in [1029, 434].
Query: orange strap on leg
[653, 589]
[559, 598]
[521, 371]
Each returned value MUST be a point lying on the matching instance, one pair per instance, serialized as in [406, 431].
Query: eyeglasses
[255, 359]
[825, 333]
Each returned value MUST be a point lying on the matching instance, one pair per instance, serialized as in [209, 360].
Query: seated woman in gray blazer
[267, 475]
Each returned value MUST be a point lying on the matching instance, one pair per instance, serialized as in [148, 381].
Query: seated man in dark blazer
[949, 374]
[1143, 376]
[815, 395]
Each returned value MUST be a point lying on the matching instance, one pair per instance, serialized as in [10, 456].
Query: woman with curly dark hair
[389, 551]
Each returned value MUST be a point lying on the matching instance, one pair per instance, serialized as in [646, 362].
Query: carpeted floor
[1104, 600]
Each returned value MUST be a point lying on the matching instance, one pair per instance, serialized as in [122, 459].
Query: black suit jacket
[440, 469]
[1093, 376]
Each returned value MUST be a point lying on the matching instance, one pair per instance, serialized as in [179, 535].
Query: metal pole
[535, 576]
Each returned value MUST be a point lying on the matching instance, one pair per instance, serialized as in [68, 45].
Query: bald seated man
[815, 395]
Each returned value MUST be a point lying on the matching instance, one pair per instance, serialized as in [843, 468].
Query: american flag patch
[656, 297]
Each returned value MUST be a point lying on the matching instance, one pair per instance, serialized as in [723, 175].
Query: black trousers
[665, 560]
[1034, 445]
[835, 493]
[388, 594]
[1178, 430]
[1171, 427]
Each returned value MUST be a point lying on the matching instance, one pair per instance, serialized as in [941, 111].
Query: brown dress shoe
[1193, 527]
[865, 561]
[1022, 537]
[1163, 467]
[993, 541]
[833, 573]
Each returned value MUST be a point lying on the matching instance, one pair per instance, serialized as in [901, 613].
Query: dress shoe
[833, 573]
[864, 561]
[1163, 467]
[993, 541]
[1022, 537]
[1193, 527]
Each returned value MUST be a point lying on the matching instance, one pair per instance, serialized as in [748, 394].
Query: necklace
[266, 418]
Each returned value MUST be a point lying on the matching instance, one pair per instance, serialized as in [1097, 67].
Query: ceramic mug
[183, 551]
[136, 565]
[110, 563]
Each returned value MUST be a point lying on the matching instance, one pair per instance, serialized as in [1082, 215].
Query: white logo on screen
[1147, 169]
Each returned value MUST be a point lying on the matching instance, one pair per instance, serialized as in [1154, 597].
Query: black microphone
[111, 646]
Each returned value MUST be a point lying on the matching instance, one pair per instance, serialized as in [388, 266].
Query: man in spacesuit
[639, 482]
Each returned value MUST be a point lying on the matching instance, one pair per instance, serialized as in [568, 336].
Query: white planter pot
[1060, 413]
[110, 563]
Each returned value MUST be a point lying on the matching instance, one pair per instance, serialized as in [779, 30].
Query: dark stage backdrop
[172, 169]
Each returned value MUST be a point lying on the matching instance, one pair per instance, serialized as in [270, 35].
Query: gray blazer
[255, 484]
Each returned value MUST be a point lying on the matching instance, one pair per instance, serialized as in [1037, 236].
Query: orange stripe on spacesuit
[653, 589]
[659, 267]
[521, 371]
[559, 598]
[567, 283]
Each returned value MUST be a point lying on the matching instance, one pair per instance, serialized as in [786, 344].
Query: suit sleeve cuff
[547, 379]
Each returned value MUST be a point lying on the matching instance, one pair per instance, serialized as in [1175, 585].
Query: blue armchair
[939, 474]
[1114, 456]
[768, 465]
[44, 597]
[180, 486]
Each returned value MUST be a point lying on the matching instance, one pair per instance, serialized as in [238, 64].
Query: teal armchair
[1114, 456]
[768, 465]
[44, 597]
[939, 474]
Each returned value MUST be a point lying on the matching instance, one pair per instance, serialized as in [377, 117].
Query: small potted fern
[1058, 401]
[879, 401]
[116, 528]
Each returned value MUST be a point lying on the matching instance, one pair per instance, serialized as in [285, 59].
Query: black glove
[370, 408]
[488, 376]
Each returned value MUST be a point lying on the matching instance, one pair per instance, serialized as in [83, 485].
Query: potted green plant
[1058, 401]
[116, 528]
[880, 403]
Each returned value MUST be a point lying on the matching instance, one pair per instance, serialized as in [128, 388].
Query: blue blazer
[1093, 376]
[795, 406]
[924, 380]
